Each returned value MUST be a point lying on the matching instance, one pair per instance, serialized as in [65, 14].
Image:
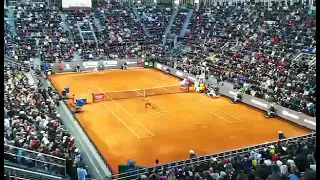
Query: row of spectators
[31, 122]
[293, 160]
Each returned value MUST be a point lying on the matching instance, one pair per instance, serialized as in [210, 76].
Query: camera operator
[212, 91]
[100, 68]
[167, 71]
[124, 66]
[236, 99]
[78, 68]
[281, 135]
[271, 112]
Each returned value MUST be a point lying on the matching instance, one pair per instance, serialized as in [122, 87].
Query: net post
[92, 96]
[144, 92]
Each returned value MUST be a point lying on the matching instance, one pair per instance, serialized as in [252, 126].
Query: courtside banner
[159, 66]
[227, 90]
[98, 97]
[110, 63]
[148, 64]
[140, 62]
[90, 64]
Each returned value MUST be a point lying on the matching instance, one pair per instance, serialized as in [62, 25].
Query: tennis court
[124, 129]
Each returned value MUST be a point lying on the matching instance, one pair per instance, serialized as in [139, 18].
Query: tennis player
[212, 94]
[147, 102]
[95, 70]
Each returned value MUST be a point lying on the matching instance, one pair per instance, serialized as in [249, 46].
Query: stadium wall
[90, 65]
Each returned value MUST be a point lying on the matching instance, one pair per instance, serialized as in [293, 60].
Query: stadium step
[98, 24]
[76, 56]
[179, 50]
[173, 16]
[11, 21]
[66, 25]
[186, 23]
[137, 16]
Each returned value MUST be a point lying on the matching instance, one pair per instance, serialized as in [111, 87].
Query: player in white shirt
[95, 70]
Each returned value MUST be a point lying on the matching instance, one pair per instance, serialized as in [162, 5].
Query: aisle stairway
[173, 16]
[66, 25]
[180, 49]
[11, 21]
[186, 23]
[97, 23]
[137, 15]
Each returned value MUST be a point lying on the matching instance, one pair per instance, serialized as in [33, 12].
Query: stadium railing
[221, 155]
[11, 172]
[34, 161]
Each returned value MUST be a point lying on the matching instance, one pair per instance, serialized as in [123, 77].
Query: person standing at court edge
[82, 173]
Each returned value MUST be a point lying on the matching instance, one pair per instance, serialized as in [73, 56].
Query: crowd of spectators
[284, 160]
[250, 44]
[242, 44]
[156, 20]
[107, 31]
[40, 33]
[82, 29]
[122, 34]
[32, 124]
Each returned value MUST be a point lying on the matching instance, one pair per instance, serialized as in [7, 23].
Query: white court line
[145, 137]
[158, 105]
[182, 109]
[238, 120]
[124, 123]
[218, 116]
[158, 112]
[116, 116]
[88, 89]
[123, 109]
[205, 110]
[144, 79]
[88, 145]
[201, 107]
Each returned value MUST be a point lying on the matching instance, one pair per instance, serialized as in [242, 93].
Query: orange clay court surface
[125, 129]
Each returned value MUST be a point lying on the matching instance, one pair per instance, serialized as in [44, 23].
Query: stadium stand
[286, 62]
[35, 138]
[279, 159]
[271, 48]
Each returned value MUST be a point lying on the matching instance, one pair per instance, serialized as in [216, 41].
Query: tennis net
[136, 93]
